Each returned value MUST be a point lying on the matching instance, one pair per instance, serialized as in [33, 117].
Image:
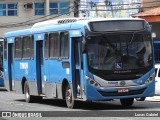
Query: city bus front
[119, 61]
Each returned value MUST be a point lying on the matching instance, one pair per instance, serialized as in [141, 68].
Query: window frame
[35, 8]
[62, 10]
[7, 9]
[51, 8]
[14, 9]
[25, 52]
[32, 47]
[59, 8]
[46, 46]
[68, 54]
[58, 47]
[3, 10]
[15, 49]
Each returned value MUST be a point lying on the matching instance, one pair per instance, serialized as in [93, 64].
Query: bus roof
[61, 24]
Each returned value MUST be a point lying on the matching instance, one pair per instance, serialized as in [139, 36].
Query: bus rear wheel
[127, 102]
[69, 97]
[28, 97]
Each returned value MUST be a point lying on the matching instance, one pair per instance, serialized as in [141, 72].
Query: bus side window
[46, 48]
[64, 43]
[54, 45]
[31, 46]
[26, 47]
[18, 48]
[76, 51]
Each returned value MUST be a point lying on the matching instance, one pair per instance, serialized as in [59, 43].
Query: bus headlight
[150, 79]
[92, 82]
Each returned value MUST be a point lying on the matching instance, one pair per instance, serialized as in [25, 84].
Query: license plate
[123, 90]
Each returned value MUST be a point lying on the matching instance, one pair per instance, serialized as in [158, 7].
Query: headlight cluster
[150, 79]
[92, 82]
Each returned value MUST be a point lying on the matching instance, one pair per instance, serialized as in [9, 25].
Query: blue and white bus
[1, 63]
[81, 59]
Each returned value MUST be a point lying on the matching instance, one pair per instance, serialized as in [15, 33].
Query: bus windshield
[119, 53]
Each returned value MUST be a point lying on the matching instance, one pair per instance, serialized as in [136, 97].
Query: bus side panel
[1, 82]
[54, 73]
[50, 90]
[18, 75]
[57, 75]
[32, 78]
[23, 71]
[18, 86]
[6, 79]
[33, 87]
[59, 91]
[48, 87]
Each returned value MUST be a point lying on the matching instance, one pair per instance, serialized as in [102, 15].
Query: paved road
[10, 101]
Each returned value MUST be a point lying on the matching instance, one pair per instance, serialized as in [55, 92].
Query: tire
[127, 102]
[69, 97]
[141, 99]
[28, 97]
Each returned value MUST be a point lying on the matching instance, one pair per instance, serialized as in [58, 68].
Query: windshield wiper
[131, 40]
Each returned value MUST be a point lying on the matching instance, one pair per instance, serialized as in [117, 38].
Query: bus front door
[39, 65]
[78, 68]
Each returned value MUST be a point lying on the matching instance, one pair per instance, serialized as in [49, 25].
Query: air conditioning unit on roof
[28, 5]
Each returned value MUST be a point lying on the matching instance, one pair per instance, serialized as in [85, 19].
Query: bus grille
[131, 92]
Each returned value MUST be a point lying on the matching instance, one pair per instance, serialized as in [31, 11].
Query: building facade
[21, 14]
[109, 8]
[149, 4]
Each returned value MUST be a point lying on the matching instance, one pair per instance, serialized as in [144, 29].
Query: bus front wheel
[127, 102]
[69, 97]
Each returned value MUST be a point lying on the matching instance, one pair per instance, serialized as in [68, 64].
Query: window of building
[46, 49]
[18, 48]
[39, 8]
[8, 9]
[54, 48]
[64, 40]
[59, 8]
[64, 8]
[12, 9]
[53, 8]
[2, 9]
